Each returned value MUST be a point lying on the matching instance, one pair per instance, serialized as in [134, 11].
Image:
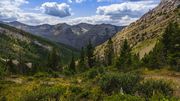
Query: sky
[37, 12]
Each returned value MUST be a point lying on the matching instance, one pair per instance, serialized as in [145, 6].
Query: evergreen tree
[54, 60]
[124, 60]
[72, 66]
[11, 67]
[171, 43]
[136, 61]
[109, 53]
[82, 56]
[2, 70]
[167, 50]
[90, 54]
[22, 68]
[82, 64]
[156, 58]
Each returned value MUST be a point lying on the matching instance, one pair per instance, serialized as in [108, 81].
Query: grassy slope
[12, 46]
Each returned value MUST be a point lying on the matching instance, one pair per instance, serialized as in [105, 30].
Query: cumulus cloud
[99, 19]
[9, 9]
[116, 14]
[56, 9]
[127, 8]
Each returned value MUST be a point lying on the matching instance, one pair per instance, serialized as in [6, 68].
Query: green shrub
[2, 72]
[92, 73]
[75, 89]
[3, 98]
[44, 94]
[149, 88]
[120, 97]
[114, 83]
[160, 97]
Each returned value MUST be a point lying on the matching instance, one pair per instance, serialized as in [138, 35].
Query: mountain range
[76, 36]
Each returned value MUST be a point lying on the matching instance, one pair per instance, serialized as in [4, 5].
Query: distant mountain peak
[76, 36]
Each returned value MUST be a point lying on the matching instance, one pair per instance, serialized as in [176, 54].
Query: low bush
[121, 97]
[92, 73]
[115, 83]
[151, 87]
[44, 94]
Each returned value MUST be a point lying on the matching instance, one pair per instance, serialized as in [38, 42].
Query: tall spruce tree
[171, 43]
[167, 50]
[90, 54]
[156, 58]
[109, 53]
[124, 60]
[136, 60]
[82, 65]
[54, 60]
[72, 65]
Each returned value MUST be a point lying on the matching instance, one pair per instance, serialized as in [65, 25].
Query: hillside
[143, 34]
[16, 43]
[72, 35]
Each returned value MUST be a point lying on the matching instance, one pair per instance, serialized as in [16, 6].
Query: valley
[92, 62]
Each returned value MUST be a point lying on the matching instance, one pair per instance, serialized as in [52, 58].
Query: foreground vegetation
[92, 78]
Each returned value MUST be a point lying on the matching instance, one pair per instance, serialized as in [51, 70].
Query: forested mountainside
[18, 45]
[143, 34]
[72, 35]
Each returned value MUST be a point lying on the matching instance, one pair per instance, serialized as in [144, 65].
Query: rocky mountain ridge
[76, 36]
[143, 34]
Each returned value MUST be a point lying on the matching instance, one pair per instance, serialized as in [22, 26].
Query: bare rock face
[143, 34]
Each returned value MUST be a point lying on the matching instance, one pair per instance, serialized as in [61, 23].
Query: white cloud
[56, 9]
[9, 9]
[99, 19]
[131, 9]
[116, 14]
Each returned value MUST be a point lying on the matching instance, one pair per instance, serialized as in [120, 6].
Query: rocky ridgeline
[149, 27]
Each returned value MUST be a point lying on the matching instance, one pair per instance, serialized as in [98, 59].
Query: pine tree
[82, 56]
[124, 60]
[136, 61]
[109, 53]
[72, 65]
[82, 65]
[171, 43]
[54, 60]
[2, 70]
[166, 51]
[90, 54]
[22, 68]
[156, 58]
